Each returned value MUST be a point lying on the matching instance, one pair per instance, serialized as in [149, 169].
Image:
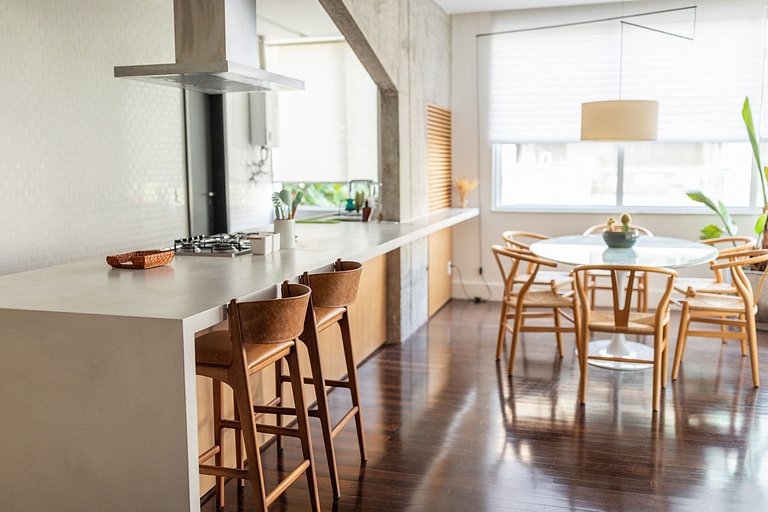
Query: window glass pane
[659, 174]
[317, 195]
[573, 174]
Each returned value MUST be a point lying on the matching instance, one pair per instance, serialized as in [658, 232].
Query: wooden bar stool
[260, 334]
[332, 293]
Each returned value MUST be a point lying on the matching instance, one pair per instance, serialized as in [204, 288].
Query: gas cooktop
[225, 244]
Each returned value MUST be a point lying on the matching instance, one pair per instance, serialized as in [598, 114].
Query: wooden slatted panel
[438, 158]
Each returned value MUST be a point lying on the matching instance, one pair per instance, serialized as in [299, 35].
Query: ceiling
[291, 19]
[462, 6]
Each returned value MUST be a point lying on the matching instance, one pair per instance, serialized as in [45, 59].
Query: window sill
[648, 210]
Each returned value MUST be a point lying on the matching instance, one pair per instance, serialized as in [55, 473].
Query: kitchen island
[97, 374]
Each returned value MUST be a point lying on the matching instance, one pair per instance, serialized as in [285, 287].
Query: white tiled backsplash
[250, 203]
[89, 165]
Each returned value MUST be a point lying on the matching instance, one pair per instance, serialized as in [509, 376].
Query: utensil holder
[286, 228]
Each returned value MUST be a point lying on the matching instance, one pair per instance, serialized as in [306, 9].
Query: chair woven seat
[703, 285]
[717, 302]
[547, 277]
[639, 323]
[542, 299]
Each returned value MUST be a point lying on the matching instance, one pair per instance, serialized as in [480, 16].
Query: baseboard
[477, 288]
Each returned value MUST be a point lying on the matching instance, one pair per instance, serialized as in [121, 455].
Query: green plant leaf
[730, 225]
[710, 231]
[746, 114]
[700, 197]
[760, 224]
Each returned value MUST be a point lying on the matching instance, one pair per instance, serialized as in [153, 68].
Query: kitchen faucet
[369, 184]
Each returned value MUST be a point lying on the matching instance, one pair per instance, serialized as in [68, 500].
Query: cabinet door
[440, 281]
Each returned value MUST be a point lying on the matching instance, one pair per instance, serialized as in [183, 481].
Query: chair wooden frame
[731, 311]
[622, 320]
[717, 283]
[516, 240]
[521, 298]
[593, 283]
[276, 324]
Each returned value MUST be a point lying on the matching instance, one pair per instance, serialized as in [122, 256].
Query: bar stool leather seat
[215, 349]
[325, 317]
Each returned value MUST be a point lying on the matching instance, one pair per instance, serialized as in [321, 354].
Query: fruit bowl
[620, 239]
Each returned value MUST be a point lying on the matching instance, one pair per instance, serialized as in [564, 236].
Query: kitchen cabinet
[440, 272]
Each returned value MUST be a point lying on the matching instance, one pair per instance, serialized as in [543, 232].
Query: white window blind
[532, 83]
[329, 131]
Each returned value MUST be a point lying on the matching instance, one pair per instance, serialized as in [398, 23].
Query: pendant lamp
[618, 120]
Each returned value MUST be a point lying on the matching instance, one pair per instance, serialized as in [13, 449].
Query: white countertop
[192, 285]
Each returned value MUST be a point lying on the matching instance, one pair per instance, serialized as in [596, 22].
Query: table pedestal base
[618, 346]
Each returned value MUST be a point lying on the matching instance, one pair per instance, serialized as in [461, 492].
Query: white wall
[336, 112]
[471, 159]
[89, 165]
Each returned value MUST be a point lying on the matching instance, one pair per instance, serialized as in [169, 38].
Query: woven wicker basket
[141, 259]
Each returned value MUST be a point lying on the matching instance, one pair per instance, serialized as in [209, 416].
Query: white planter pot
[286, 228]
[762, 301]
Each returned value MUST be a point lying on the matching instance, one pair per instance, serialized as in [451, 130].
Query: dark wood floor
[448, 431]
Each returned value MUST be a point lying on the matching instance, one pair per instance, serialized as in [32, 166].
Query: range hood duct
[217, 51]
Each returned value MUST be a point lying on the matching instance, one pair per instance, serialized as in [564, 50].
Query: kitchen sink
[342, 217]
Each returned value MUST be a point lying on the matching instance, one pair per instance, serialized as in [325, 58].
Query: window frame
[498, 207]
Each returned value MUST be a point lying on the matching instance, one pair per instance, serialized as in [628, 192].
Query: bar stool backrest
[270, 321]
[335, 289]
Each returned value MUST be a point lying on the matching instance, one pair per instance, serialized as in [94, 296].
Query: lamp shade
[620, 120]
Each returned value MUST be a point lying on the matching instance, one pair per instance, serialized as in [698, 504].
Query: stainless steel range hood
[217, 51]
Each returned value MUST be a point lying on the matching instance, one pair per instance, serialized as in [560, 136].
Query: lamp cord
[477, 299]
[621, 50]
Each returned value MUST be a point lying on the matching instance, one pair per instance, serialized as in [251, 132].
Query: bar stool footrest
[271, 409]
[338, 383]
[222, 471]
[343, 422]
[286, 482]
[209, 454]
[278, 431]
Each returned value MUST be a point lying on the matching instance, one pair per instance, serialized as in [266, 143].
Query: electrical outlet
[450, 267]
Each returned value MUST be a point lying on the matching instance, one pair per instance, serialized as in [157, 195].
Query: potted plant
[713, 231]
[756, 274]
[285, 212]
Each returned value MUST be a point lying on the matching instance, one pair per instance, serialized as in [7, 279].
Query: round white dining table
[649, 251]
